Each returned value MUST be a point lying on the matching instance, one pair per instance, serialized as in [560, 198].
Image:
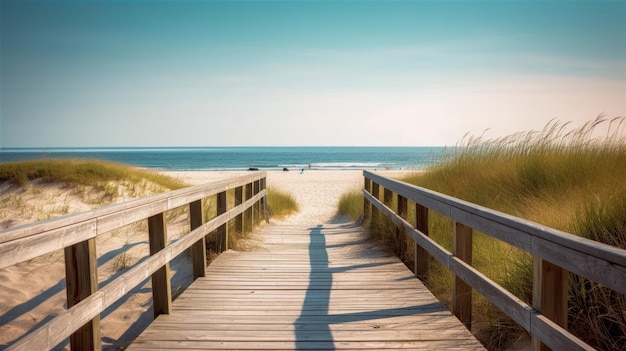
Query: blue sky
[196, 73]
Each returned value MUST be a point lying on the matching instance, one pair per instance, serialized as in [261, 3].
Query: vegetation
[281, 204]
[569, 179]
[81, 172]
[351, 204]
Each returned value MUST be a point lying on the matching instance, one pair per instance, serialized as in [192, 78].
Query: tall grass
[281, 204]
[80, 172]
[572, 179]
[351, 204]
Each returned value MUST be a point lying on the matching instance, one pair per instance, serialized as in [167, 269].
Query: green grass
[93, 182]
[351, 204]
[281, 204]
[80, 172]
[571, 179]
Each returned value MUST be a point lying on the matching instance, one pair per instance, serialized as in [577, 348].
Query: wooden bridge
[321, 286]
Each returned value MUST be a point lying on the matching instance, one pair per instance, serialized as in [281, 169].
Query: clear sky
[196, 73]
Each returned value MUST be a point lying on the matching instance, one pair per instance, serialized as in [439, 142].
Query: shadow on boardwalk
[314, 323]
[322, 287]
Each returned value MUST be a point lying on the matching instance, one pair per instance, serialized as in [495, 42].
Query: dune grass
[281, 204]
[76, 184]
[571, 179]
[351, 204]
[80, 172]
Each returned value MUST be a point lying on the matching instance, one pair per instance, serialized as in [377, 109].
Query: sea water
[240, 158]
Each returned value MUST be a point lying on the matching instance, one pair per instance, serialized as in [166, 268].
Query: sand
[316, 191]
[32, 292]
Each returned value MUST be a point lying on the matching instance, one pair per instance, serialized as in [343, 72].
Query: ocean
[241, 158]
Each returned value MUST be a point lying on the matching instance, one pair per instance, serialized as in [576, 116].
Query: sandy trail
[316, 191]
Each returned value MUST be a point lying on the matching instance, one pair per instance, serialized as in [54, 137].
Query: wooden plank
[594, 260]
[222, 230]
[550, 296]
[387, 197]
[239, 222]
[463, 344]
[256, 213]
[432, 247]
[161, 291]
[421, 255]
[475, 216]
[367, 207]
[81, 281]
[172, 199]
[330, 297]
[56, 330]
[598, 269]
[248, 214]
[462, 291]
[402, 210]
[198, 250]
[25, 248]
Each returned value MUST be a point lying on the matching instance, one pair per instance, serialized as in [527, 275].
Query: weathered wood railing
[555, 254]
[76, 234]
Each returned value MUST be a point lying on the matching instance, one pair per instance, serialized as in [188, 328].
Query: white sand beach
[316, 191]
[32, 292]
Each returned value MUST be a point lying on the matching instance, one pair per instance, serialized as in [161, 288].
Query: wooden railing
[555, 254]
[76, 235]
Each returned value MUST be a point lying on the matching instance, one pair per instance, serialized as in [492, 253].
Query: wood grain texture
[49, 334]
[81, 280]
[461, 291]
[316, 287]
[161, 290]
[22, 243]
[198, 250]
[593, 260]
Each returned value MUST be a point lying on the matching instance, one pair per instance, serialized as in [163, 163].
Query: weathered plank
[307, 287]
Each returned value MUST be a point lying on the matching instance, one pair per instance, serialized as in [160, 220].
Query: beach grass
[81, 172]
[571, 179]
[281, 204]
[351, 204]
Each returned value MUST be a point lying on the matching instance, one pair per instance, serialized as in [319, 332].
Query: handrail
[76, 234]
[554, 253]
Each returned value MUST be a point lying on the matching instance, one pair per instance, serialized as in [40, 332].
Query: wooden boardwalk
[307, 288]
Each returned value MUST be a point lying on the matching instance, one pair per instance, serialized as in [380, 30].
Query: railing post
[256, 214]
[198, 250]
[161, 292]
[266, 212]
[376, 194]
[222, 231]
[461, 291]
[258, 208]
[367, 206]
[239, 222]
[421, 255]
[549, 295]
[81, 276]
[387, 197]
[249, 213]
[400, 231]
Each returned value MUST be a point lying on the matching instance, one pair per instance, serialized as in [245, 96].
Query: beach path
[312, 281]
[320, 287]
